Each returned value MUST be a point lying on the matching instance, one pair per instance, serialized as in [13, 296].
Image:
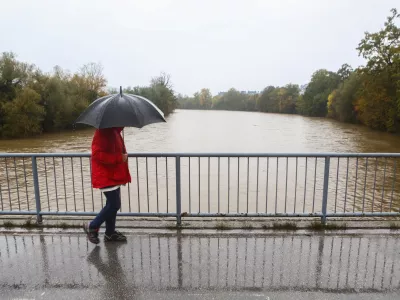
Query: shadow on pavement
[116, 284]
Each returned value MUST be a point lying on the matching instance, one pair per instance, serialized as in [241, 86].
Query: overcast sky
[216, 44]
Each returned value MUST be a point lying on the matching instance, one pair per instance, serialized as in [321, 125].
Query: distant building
[242, 92]
[252, 92]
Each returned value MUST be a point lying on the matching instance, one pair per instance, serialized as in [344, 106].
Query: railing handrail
[205, 154]
[242, 188]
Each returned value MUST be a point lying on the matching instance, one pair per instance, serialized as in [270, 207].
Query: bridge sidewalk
[166, 264]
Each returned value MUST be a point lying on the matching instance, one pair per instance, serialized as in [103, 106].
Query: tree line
[33, 102]
[369, 94]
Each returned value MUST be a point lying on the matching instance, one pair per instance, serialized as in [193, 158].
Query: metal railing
[207, 185]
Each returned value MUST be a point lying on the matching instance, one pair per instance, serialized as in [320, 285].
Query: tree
[332, 104]
[342, 102]
[90, 81]
[349, 95]
[315, 97]
[32, 102]
[186, 102]
[344, 72]
[13, 75]
[382, 49]
[251, 103]
[160, 92]
[379, 104]
[288, 97]
[231, 100]
[267, 101]
[205, 99]
[23, 115]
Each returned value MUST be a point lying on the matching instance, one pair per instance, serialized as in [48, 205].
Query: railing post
[325, 191]
[178, 190]
[36, 189]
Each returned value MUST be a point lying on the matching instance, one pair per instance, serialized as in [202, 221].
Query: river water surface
[213, 185]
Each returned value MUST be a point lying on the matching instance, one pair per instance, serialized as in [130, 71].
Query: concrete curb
[218, 224]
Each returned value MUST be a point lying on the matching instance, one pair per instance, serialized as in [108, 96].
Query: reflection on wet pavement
[184, 266]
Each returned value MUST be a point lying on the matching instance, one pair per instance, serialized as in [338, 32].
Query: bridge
[204, 264]
[199, 185]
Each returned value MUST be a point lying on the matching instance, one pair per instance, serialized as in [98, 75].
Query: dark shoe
[92, 234]
[115, 237]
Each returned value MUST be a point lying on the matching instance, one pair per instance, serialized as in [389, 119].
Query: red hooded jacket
[108, 169]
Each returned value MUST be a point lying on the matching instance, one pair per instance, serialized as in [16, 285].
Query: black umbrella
[121, 110]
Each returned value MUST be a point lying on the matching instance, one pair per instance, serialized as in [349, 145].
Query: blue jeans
[109, 212]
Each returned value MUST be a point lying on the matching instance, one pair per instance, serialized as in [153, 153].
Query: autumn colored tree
[379, 103]
[315, 97]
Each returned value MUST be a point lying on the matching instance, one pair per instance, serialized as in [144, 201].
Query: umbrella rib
[153, 105]
[85, 113]
[111, 99]
[137, 111]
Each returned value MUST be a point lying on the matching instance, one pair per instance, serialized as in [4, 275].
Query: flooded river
[265, 184]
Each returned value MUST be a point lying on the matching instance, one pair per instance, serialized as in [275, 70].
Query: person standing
[109, 172]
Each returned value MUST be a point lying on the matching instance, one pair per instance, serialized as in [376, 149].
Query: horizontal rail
[366, 214]
[203, 215]
[86, 213]
[255, 215]
[17, 212]
[214, 155]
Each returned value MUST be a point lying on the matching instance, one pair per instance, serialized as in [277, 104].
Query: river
[223, 131]
[223, 190]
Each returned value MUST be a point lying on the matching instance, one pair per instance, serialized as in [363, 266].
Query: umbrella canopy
[121, 110]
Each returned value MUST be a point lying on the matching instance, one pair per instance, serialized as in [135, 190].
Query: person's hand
[124, 157]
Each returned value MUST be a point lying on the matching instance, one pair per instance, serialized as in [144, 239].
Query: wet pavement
[201, 266]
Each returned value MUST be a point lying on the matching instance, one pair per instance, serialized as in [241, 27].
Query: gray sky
[216, 44]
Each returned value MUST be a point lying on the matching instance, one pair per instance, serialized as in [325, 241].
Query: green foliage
[200, 100]
[267, 101]
[382, 49]
[342, 101]
[315, 97]
[204, 98]
[344, 72]
[231, 100]
[13, 75]
[272, 99]
[379, 103]
[159, 91]
[23, 115]
[279, 99]
[32, 102]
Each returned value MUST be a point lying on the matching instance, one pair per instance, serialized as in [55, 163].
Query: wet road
[200, 266]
